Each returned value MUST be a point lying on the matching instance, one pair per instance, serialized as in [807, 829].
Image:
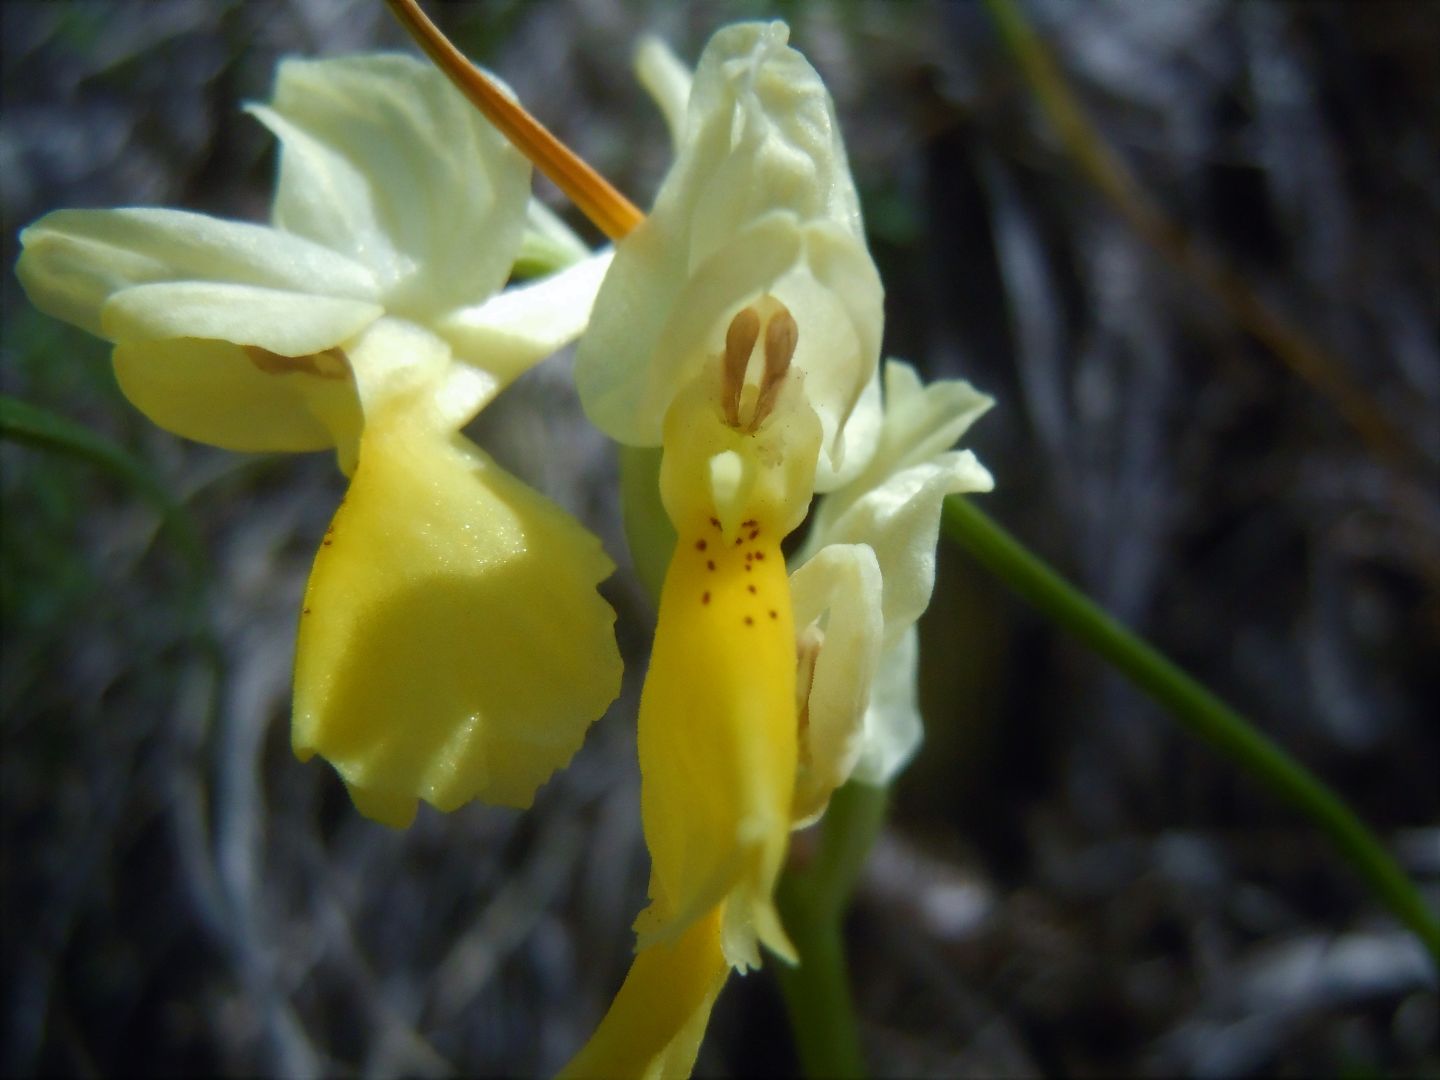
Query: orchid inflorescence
[452, 644]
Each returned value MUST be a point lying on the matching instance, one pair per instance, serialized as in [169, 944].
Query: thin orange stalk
[611, 212]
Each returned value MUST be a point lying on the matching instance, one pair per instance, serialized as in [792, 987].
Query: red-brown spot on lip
[750, 587]
[747, 568]
[327, 543]
[705, 599]
[715, 522]
[759, 555]
[749, 621]
[709, 564]
[305, 611]
[699, 545]
[754, 533]
[749, 524]
[774, 615]
[739, 540]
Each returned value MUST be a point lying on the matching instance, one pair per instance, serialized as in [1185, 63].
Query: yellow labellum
[717, 735]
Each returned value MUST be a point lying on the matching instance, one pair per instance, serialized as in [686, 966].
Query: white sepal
[836, 598]
[760, 200]
[892, 727]
[384, 161]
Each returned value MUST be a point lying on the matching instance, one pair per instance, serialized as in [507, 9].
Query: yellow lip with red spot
[717, 728]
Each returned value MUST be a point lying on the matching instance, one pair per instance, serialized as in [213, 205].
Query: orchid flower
[452, 644]
[738, 329]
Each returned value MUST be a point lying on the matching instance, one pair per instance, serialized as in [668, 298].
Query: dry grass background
[1069, 885]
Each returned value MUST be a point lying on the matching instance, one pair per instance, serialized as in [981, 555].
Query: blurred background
[1069, 884]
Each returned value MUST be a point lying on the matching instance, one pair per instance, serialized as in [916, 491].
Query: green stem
[648, 531]
[812, 901]
[1196, 708]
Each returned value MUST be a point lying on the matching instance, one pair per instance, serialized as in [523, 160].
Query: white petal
[900, 521]
[387, 162]
[893, 505]
[514, 330]
[639, 350]
[667, 80]
[893, 729]
[837, 592]
[75, 260]
[920, 421]
[760, 199]
[860, 439]
[288, 323]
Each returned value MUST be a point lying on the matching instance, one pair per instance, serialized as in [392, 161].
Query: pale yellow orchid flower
[452, 644]
[739, 329]
[745, 312]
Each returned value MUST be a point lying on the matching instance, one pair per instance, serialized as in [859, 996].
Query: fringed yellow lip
[612, 213]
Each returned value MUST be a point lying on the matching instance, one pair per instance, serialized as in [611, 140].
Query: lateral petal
[900, 521]
[919, 421]
[515, 329]
[837, 600]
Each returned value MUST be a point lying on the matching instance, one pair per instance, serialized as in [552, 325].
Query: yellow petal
[717, 737]
[452, 644]
[218, 393]
[654, 1026]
